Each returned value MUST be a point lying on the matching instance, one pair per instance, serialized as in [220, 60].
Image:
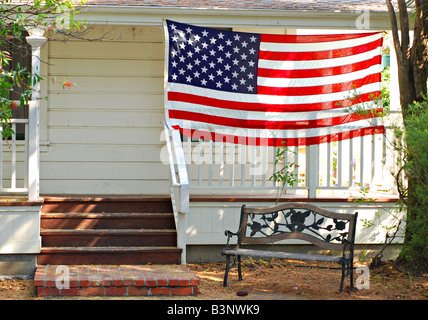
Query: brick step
[107, 220]
[109, 255]
[115, 280]
[108, 237]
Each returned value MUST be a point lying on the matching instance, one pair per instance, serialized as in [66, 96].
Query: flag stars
[181, 34]
[229, 57]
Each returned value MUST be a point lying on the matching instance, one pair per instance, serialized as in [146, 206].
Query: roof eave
[220, 17]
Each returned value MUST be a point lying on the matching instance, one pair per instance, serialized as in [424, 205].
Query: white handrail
[180, 196]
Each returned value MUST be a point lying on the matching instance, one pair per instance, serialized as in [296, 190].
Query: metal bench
[266, 225]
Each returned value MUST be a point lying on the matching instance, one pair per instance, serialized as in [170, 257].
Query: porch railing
[19, 163]
[347, 166]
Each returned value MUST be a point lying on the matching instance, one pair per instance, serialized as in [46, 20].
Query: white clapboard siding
[105, 133]
[102, 153]
[107, 100]
[128, 68]
[118, 118]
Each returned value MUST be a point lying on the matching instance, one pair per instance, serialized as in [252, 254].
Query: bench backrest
[296, 220]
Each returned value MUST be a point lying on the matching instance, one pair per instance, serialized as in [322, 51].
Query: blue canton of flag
[213, 59]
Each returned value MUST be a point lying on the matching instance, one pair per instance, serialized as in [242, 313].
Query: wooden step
[107, 220]
[109, 255]
[124, 231]
[108, 237]
[148, 204]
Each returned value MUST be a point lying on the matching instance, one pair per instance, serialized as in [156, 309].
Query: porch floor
[115, 280]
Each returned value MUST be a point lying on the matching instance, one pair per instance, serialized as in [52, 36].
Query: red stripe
[319, 55]
[279, 141]
[325, 89]
[280, 38]
[274, 125]
[322, 72]
[250, 106]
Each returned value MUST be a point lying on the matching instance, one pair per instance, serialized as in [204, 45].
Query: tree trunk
[418, 53]
[412, 77]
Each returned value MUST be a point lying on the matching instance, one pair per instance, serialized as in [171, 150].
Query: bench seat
[282, 255]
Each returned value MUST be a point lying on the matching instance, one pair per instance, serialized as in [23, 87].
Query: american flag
[262, 89]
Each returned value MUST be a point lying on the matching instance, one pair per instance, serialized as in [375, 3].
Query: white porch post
[36, 40]
[312, 172]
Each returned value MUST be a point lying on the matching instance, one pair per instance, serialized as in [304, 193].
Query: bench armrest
[229, 234]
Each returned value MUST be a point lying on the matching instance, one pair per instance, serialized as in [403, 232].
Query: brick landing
[114, 280]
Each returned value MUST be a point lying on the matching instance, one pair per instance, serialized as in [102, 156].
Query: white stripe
[270, 99]
[270, 116]
[318, 64]
[317, 46]
[318, 81]
[268, 133]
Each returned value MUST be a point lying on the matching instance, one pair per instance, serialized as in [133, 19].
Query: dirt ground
[277, 280]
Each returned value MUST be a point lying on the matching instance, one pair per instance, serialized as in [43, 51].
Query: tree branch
[394, 30]
[404, 26]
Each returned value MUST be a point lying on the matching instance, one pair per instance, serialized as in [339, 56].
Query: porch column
[312, 172]
[36, 40]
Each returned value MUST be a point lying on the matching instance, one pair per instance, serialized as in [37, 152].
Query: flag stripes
[271, 89]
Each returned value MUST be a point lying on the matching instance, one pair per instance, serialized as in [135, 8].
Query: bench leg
[351, 274]
[239, 269]
[343, 277]
[347, 269]
[226, 271]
